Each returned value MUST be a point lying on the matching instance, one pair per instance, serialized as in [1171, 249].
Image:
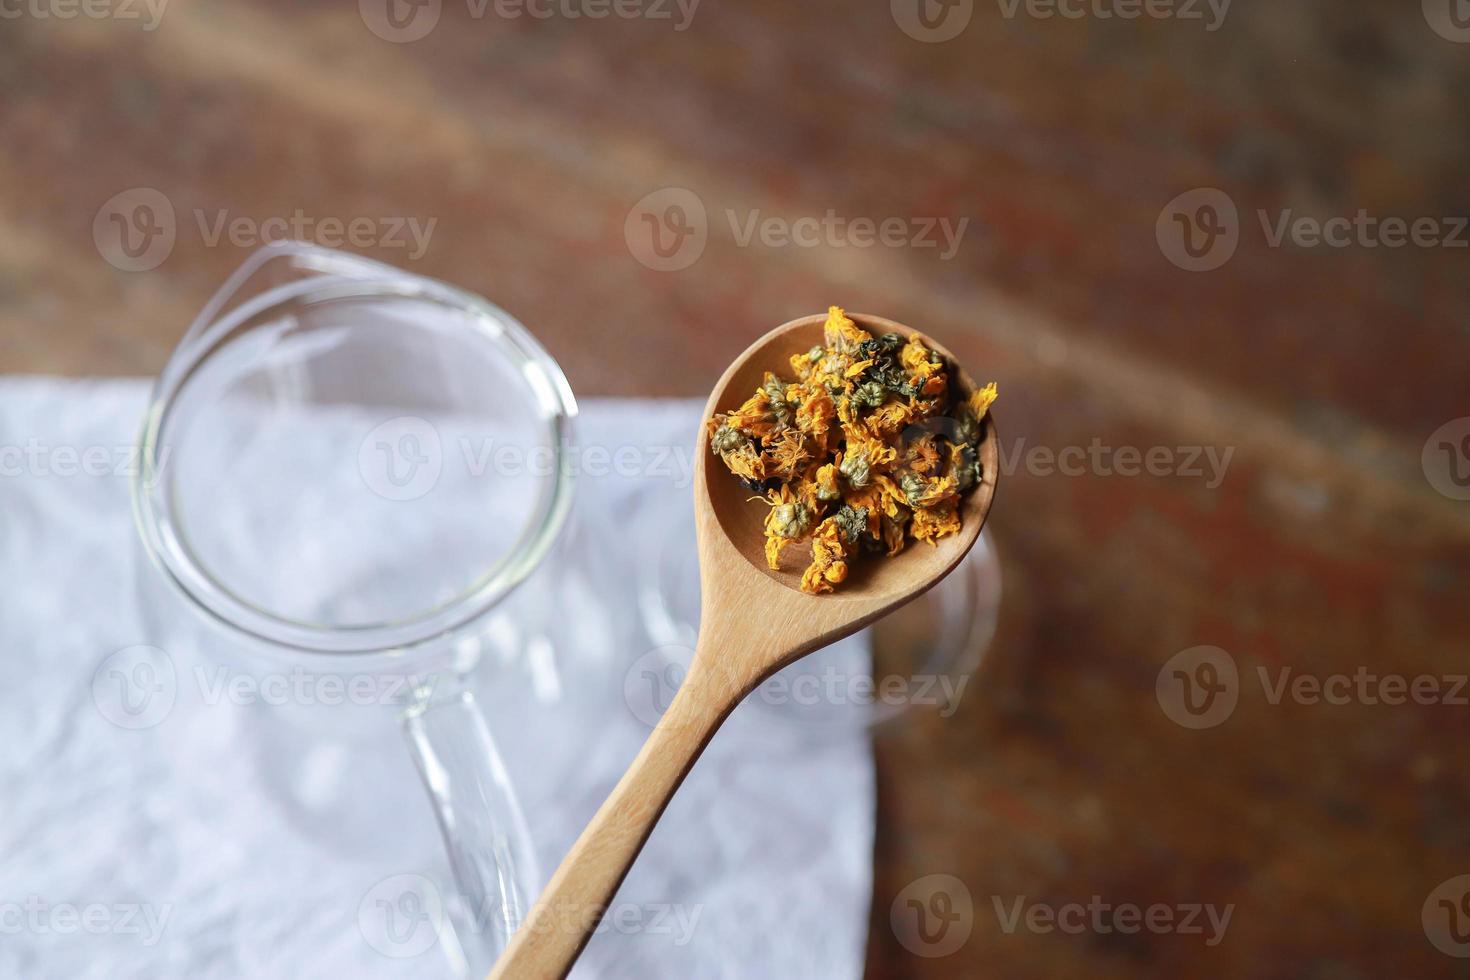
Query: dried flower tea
[868, 447]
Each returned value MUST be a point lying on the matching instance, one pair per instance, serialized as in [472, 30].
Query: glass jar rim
[157, 525]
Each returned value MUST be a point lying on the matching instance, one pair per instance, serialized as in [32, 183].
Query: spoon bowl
[741, 518]
[754, 621]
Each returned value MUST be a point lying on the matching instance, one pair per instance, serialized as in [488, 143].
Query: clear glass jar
[325, 521]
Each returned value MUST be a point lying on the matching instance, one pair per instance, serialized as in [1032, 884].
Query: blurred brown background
[533, 144]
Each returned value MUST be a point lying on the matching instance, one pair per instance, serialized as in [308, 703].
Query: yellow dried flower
[836, 454]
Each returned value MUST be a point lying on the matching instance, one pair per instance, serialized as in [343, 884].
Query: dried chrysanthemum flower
[826, 483]
[836, 456]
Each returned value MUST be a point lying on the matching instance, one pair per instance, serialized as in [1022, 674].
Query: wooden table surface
[536, 146]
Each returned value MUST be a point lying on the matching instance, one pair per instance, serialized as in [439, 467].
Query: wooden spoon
[753, 622]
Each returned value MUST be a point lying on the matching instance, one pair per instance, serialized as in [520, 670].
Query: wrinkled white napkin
[227, 838]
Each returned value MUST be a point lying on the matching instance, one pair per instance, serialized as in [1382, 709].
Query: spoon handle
[564, 916]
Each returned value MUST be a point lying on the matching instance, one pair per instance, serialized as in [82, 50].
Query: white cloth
[232, 842]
